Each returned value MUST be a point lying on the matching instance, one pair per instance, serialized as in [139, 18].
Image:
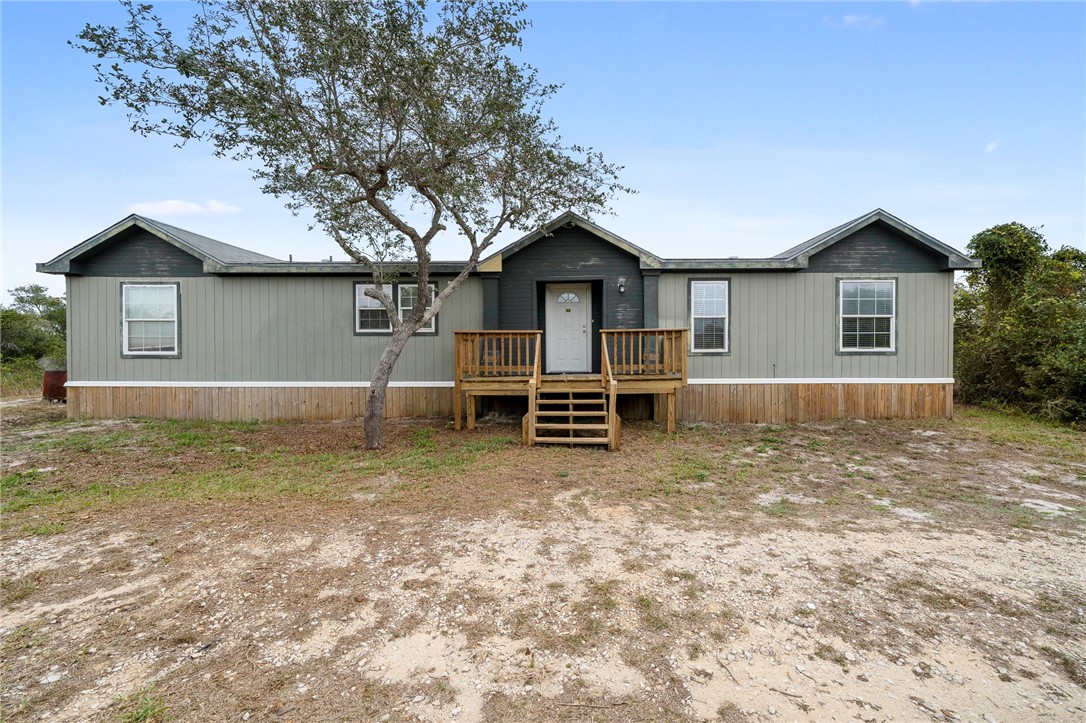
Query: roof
[222, 258]
[569, 219]
[214, 254]
[802, 252]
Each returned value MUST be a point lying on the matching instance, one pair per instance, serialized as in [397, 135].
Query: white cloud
[991, 147]
[177, 207]
[856, 22]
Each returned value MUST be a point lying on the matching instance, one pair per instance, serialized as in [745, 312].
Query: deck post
[671, 413]
[529, 434]
[457, 373]
[471, 412]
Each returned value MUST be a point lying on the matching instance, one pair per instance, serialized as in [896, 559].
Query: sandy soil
[571, 593]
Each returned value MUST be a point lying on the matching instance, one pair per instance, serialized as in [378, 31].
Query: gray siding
[140, 253]
[259, 328]
[571, 255]
[877, 248]
[784, 325]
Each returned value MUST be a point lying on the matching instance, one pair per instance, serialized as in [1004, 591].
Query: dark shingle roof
[214, 254]
[221, 252]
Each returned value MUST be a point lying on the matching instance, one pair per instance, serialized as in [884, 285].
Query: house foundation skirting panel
[775, 403]
[244, 403]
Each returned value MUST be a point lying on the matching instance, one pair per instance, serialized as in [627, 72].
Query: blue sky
[746, 127]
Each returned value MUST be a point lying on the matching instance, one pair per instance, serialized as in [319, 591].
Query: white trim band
[260, 385]
[826, 380]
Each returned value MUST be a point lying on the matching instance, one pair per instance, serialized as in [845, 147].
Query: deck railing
[647, 353]
[492, 354]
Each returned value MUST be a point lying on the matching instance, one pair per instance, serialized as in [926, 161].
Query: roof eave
[729, 265]
[341, 268]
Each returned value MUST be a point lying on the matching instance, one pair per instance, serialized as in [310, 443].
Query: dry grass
[196, 507]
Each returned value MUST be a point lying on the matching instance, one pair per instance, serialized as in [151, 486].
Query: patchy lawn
[877, 570]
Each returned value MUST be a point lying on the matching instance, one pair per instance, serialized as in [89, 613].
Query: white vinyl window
[370, 317]
[868, 315]
[409, 293]
[149, 319]
[709, 315]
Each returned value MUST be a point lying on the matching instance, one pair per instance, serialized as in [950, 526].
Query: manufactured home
[575, 324]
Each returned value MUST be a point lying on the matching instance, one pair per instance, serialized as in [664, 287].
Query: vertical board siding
[137, 252]
[784, 325]
[571, 255]
[877, 248]
[259, 328]
[797, 403]
[237, 404]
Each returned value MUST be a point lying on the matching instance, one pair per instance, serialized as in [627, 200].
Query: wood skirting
[236, 404]
[781, 403]
[741, 403]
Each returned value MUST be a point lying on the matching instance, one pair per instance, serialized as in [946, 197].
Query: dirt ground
[892, 570]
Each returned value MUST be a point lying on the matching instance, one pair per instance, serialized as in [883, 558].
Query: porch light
[622, 286]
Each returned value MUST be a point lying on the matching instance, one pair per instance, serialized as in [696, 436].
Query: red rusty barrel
[53, 387]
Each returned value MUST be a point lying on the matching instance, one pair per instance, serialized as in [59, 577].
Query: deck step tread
[581, 413]
[572, 426]
[571, 440]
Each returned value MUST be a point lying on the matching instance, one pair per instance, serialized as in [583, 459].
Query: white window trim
[389, 289]
[841, 316]
[727, 315]
[432, 324]
[176, 320]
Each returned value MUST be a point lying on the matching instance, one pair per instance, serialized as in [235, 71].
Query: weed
[143, 705]
[649, 616]
[780, 508]
[423, 439]
[45, 528]
[14, 590]
[828, 652]
[1074, 669]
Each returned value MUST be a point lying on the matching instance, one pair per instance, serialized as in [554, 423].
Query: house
[573, 323]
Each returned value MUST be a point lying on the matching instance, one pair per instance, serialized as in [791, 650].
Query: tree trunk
[375, 400]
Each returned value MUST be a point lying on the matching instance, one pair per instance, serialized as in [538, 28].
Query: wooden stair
[571, 413]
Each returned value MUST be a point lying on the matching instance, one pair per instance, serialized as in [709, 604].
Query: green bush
[1020, 325]
[20, 378]
[32, 328]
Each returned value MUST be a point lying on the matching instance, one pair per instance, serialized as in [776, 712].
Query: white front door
[569, 327]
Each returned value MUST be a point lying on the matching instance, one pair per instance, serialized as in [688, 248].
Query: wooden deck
[508, 363]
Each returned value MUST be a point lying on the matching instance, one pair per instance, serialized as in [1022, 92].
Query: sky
[746, 128]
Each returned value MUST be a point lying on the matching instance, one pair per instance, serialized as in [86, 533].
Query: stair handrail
[537, 365]
[533, 391]
[606, 375]
[610, 385]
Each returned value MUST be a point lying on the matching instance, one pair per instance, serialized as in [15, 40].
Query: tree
[1020, 324]
[389, 121]
[33, 326]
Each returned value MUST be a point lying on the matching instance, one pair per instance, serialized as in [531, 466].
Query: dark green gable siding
[571, 255]
[139, 253]
[875, 249]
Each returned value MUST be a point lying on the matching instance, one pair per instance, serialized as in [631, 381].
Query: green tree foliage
[1020, 324]
[392, 121]
[33, 325]
[32, 328]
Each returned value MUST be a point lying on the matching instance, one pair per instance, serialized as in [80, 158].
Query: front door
[569, 327]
